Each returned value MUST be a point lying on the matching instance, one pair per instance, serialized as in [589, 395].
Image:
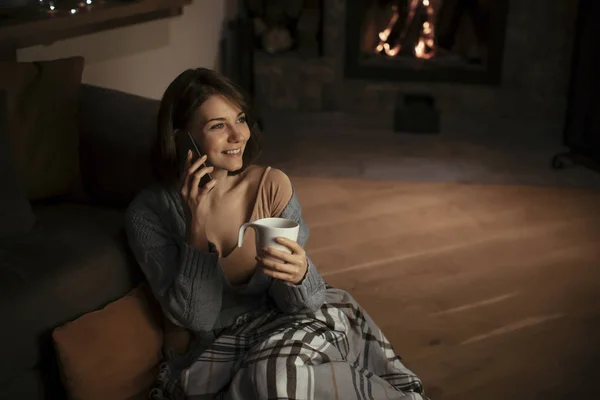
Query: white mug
[268, 229]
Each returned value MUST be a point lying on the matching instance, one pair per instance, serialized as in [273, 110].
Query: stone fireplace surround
[532, 92]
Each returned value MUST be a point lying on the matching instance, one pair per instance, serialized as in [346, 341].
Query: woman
[258, 329]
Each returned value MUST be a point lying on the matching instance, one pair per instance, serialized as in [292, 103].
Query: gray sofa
[75, 259]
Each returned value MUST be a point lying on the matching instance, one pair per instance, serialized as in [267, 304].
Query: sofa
[67, 255]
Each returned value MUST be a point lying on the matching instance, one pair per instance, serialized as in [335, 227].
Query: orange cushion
[112, 353]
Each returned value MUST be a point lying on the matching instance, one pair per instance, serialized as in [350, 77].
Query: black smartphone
[188, 143]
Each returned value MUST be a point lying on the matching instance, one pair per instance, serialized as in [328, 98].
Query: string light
[50, 7]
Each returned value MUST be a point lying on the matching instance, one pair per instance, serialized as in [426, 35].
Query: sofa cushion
[15, 211]
[117, 132]
[74, 261]
[43, 104]
[112, 353]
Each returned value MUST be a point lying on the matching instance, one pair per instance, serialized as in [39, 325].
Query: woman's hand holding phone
[195, 196]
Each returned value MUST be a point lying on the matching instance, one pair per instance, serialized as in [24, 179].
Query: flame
[425, 47]
[385, 34]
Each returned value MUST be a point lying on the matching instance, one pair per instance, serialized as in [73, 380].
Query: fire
[425, 46]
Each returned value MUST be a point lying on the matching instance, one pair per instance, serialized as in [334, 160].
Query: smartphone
[188, 143]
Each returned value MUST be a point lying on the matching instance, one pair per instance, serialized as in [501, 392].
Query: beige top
[263, 192]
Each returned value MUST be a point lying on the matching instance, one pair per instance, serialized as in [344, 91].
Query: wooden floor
[487, 292]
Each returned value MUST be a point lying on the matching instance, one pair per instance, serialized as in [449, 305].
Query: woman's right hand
[194, 196]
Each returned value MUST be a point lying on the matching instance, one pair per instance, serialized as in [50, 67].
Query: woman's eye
[242, 119]
[217, 126]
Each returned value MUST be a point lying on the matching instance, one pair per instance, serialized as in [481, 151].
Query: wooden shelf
[29, 26]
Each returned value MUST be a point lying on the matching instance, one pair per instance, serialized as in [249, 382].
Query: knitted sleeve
[187, 282]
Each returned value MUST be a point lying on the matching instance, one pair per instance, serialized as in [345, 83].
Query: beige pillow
[112, 353]
[43, 102]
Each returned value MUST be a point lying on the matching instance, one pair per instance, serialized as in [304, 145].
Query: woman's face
[220, 130]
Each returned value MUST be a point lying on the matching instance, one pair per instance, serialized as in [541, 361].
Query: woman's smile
[234, 153]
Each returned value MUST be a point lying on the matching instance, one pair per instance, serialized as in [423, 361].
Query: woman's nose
[236, 134]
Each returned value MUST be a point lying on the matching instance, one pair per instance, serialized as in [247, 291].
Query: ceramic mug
[267, 230]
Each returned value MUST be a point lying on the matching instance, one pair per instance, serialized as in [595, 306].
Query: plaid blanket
[336, 353]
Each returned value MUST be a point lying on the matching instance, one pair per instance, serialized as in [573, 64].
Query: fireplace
[425, 40]
[333, 67]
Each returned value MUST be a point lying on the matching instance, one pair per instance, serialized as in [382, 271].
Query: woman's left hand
[286, 267]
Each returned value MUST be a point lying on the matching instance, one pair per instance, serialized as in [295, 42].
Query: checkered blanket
[336, 353]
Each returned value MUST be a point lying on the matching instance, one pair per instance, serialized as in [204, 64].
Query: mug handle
[242, 231]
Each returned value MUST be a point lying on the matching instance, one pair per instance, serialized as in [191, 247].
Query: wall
[144, 58]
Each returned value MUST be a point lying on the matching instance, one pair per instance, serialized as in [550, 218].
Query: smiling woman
[249, 316]
[216, 113]
[221, 130]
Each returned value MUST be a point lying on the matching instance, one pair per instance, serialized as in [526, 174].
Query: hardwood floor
[487, 292]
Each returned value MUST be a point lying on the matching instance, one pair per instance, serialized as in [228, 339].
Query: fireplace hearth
[426, 40]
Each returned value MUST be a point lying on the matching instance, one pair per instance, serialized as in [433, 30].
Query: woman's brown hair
[179, 103]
